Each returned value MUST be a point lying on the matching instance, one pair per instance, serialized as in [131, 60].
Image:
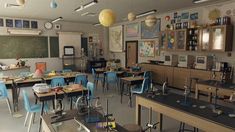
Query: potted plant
[22, 62]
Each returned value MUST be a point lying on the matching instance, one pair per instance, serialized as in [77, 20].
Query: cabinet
[68, 62]
[181, 39]
[180, 77]
[193, 39]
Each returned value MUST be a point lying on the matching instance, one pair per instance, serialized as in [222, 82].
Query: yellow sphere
[131, 16]
[107, 17]
[20, 2]
[150, 20]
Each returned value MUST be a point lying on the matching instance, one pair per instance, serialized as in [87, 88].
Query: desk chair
[96, 78]
[31, 109]
[4, 95]
[139, 89]
[81, 79]
[111, 78]
[57, 81]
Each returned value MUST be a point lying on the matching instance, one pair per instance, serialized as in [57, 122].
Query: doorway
[131, 53]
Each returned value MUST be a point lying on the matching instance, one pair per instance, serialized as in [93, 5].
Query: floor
[122, 112]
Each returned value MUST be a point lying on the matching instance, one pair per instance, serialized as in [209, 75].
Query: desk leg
[196, 93]
[71, 103]
[14, 98]
[150, 118]
[130, 96]
[160, 120]
[122, 88]
[41, 116]
[210, 97]
[138, 114]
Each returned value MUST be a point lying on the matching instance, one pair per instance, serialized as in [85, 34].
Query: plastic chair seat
[38, 107]
[137, 90]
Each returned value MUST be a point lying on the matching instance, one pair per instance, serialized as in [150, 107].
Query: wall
[203, 19]
[56, 63]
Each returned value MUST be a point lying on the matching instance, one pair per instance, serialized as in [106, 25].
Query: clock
[48, 25]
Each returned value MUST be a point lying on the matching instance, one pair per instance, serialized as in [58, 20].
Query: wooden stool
[133, 128]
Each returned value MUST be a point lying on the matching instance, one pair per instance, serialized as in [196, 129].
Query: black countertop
[171, 99]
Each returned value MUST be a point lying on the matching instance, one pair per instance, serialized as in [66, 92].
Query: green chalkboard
[23, 47]
[54, 46]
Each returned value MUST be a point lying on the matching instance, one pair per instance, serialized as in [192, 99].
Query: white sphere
[20, 2]
[150, 20]
[131, 16]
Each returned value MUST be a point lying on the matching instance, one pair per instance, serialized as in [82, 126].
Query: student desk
[61, 94]
[130, 81]
[14, 83]
[203, 119]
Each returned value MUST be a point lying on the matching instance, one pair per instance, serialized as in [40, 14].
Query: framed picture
[90, 39]
[26, 24]
[1, 22]
[18, 23]
[132, 30]
[34, 24]
[9, 23]
[150, 32]
[185, 15]
[194, 16]
[116, 39]
[146, 48]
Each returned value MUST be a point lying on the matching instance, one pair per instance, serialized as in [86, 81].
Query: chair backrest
[26, 101]
[81, 79]
[147, 74]
[111, 77]
[3, 90]
[91, 87]
[57, 81]
[145, 85]
[93, 72]
[66, 70]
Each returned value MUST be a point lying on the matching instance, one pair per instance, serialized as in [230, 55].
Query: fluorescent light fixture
[199, 1]
[24, 32]
[88, 14]
[84, 14]
[86, 5]
[96, 24]
[146, 13]
[57, 19]
[7, 5]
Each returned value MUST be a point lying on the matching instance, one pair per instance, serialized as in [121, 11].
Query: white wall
[56, 63]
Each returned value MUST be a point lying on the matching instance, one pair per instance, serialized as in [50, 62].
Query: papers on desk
[75, 87]
[41, 88]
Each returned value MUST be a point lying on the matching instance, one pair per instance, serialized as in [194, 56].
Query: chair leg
[30, 122]
[26, 118]
[34, 117]
[9, 105]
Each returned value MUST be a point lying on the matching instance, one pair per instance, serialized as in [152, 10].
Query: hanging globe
[20, 2]
[107, 17]
[150, 20]
[131, 16]
[53, 4]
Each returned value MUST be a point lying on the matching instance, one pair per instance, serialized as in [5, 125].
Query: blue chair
[31, 109]
[66, 70]
[57, 81]
[96, 77]
[111, 78]
[4, 95]
[81, 79]
[139, 89]
[148, 75]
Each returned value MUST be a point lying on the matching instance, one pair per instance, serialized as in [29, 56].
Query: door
[84, 45]
[131, 53]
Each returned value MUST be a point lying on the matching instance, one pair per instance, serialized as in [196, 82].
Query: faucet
[164, 86]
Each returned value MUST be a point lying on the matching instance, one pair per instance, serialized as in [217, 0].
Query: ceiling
[40, 9]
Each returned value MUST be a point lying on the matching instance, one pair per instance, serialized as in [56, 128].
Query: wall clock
[48, 25]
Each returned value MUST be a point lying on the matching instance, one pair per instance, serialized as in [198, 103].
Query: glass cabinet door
[218, 38]
[171, 40]
[205, 41]
[181, 39]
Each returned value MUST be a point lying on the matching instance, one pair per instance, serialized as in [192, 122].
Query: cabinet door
[205, 39]
[218, 38]
[181, 36]
[170, 40]
[181, 75]
[158, 74]
[202, 75]
[169, 74]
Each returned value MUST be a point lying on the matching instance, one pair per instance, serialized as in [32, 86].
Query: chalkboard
[23, 47]
[54, 46]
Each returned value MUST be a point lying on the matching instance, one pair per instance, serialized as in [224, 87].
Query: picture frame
[150, 32]
[18, 23]
[132, 30]
[26, 24]
[90, 39]
[34, 24]
[146, 48]
[9, 22]
[1, 22]
[194, 16]
[116, 38]
[185, 15]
